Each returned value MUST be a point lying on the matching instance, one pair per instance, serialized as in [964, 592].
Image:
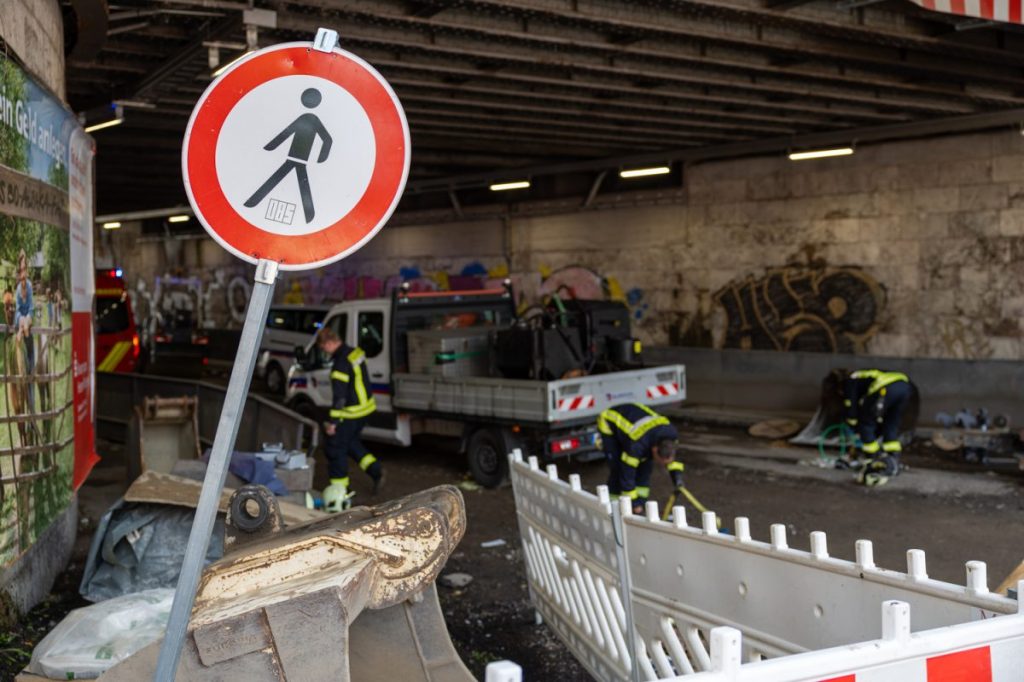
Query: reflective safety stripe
[367, 461]
[340, 481]
[631, 461]
[674, 466]
[892, 446]
[847, 402]
[851, 422]
[617, 419]
[114, 357]
[641, 428]
[602, 425]
[355, 411]
[356, 355]
[879, 379]
[340, 376]
[643, 491]
[871, 448]
[631, 494]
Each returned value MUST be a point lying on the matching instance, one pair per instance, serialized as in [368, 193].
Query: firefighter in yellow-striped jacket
[633, 437]
[352, 403]
[874, 401]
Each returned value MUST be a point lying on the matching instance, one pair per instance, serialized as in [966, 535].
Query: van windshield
[111, 315]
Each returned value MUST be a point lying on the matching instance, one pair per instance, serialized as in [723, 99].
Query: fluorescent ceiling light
[106, 124]
[117, 120]
[179, 219]
[820, 154]
[111, 225]
[224, 68]
[502, 186]
[643, 172]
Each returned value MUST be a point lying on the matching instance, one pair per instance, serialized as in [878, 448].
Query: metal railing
[263, 421]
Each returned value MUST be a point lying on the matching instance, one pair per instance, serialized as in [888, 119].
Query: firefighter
[351, 404]
[633, 437]
[874, 401]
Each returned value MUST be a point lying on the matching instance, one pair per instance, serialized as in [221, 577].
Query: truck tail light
[564, 445]
[135, 346]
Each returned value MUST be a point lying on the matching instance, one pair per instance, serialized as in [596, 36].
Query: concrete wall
[912, 249]
[771, 381]
[34, 30]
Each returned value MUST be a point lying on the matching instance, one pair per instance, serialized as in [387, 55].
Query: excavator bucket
[345, 597]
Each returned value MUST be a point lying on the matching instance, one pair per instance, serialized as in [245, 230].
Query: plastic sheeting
[93, 639]
[140, 546]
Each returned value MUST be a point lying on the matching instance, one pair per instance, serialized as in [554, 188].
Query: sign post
[293, 158]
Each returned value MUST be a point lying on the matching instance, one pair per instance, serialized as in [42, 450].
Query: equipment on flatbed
[565, 339]
[288, 603]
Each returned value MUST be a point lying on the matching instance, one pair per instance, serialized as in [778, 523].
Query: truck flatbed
[565, 401]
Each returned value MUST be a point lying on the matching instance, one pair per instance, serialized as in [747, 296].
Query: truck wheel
[274, 379]
[487, 457]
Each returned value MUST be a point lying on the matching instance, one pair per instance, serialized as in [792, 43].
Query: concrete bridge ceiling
[503, 84]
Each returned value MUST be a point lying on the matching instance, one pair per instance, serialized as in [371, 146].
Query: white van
[287, 326]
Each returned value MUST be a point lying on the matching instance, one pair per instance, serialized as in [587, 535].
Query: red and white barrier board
[1010, 11]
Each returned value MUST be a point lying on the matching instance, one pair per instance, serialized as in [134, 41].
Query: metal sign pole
[216, 472]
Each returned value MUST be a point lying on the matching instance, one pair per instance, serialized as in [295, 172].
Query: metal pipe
[216, 472]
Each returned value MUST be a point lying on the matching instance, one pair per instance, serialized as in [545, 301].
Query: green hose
[846, 440]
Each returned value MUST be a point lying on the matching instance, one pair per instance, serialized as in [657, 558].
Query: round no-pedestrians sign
[296, 155]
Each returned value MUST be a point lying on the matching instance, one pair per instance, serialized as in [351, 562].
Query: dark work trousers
[345, 443]
[884, 413]
[643, 475]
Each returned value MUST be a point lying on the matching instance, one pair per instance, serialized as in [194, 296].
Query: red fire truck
[117, 338]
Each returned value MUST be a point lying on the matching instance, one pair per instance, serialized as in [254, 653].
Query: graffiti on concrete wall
[802, 308]
[577, 281]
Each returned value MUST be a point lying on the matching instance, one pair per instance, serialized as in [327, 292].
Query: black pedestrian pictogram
[304, 130]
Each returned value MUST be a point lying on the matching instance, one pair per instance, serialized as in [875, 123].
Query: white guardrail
[728, 608]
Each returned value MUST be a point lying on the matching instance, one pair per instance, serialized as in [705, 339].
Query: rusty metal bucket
[288, 603]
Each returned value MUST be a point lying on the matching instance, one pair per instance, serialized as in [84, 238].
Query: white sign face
[295, 155]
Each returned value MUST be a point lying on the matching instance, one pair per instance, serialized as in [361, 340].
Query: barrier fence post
[625, 583]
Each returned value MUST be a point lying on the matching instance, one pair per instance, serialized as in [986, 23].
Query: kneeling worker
[351, 404]
[874, 402]
[633, 437]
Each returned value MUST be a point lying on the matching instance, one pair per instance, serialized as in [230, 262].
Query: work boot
[878, 471]
[378, 482]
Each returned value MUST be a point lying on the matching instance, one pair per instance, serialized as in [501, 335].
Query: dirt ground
[492, 618]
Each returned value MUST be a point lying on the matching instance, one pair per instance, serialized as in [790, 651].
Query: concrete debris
[456, 580]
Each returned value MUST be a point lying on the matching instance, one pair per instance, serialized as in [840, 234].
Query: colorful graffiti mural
[803, 308]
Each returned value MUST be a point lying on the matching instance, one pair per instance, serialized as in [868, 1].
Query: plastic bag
[94, 638]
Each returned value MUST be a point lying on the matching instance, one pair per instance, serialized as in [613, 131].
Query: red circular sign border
[391, 164]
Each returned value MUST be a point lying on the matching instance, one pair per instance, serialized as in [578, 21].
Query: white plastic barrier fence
[685, 581]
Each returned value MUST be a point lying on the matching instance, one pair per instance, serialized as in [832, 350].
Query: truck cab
[364, 324]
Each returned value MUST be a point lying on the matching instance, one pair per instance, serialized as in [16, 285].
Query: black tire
[274, 379]
[487, 453]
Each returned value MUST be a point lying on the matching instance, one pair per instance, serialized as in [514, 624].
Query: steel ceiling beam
[902, 131]
[704, 61]
[91, 19]
[836, 114]
[837, 100]
[703, 34]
